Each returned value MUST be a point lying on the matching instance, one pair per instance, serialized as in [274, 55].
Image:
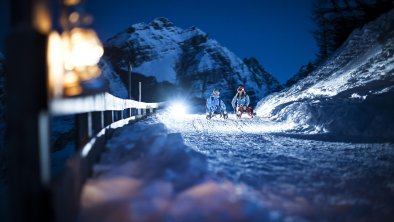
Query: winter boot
[249, 110]
[209, 115]
[239, 112]
[225, 115]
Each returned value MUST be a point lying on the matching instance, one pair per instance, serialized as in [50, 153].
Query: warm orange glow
[71, 84]
[42, 19]
[55, 64]
[86, 48]
[82, 52]
[72, 58]
[74, 17]
[71, 2]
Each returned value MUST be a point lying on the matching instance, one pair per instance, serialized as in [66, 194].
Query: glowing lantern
[55, 64]
[77, 52]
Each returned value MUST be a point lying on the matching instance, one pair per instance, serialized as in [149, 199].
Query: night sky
[276, 32]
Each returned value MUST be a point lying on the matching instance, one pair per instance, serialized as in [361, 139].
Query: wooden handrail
[95, 122]
[98, 102]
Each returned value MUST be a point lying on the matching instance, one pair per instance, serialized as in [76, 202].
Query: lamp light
[73, 56]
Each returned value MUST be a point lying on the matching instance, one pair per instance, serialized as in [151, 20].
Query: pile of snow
[350, 94]
[149, 174]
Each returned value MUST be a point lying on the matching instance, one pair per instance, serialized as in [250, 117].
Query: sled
[217, 112]
[243, 109]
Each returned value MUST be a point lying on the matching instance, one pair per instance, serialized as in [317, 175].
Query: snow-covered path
[198, 124]
[313, 180]
[193, 169]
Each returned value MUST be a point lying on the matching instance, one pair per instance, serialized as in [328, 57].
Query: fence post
[82, 128]
[121, 115]
[97, 122]
[139, 96]
[102, 119]
[108, 118]
[129, 72]
[29, 196]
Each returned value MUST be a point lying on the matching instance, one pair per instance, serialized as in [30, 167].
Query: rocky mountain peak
[261, 76]
[161, 22]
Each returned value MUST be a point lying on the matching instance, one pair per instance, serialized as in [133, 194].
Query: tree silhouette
[336, 19]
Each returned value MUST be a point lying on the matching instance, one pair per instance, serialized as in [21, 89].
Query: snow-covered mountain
[186, 58]
[351, 94]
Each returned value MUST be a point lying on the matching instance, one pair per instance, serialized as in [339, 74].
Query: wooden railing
[97, 116]
[99, 102]
[98, 111]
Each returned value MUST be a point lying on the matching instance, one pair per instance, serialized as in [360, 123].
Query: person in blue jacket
[241, 102]
[216, 105]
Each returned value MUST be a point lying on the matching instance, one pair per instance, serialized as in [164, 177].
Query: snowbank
[350, 95]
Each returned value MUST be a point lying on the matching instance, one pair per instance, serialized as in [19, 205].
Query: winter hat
[240, 88]
[216, 92]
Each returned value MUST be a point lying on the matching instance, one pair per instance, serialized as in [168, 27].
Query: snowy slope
[188, 58]
[351, 93]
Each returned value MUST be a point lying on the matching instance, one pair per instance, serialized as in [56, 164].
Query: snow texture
[192, 169]
[148, 174]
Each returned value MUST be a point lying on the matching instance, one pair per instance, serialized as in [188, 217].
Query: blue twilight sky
[276, 32]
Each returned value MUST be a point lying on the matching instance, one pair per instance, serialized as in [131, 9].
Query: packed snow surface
[170, 168]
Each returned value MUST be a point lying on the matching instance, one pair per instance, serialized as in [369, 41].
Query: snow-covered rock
[326, 100]
[112, 80]
[186, 58]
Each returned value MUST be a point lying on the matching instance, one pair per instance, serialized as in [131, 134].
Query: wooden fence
[97, 116]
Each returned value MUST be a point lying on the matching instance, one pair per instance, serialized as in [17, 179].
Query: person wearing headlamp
[241, 102]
